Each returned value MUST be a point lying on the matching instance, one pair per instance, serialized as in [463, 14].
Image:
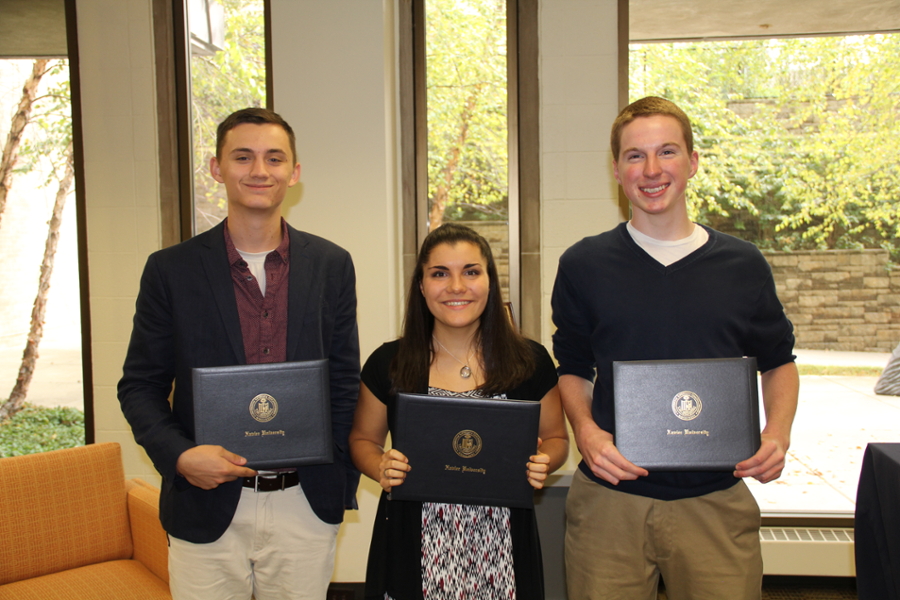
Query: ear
[616, 171]
[695, 163]
[295, 176]
[215, 170]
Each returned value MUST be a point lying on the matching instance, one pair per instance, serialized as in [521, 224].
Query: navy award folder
[276, 415]
[686, 415]
[466, 450]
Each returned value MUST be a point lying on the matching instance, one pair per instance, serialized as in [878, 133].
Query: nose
[456, 285]
[651, 166]
[258, 168]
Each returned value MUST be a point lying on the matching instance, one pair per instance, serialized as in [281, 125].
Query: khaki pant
[618, 544]
[276, 548]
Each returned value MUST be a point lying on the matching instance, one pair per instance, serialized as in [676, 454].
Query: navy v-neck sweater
[613, 301]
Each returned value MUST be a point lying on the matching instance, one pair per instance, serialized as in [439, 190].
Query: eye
[473, 272]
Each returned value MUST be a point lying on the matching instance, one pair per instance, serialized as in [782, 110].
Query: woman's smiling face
[455, 285]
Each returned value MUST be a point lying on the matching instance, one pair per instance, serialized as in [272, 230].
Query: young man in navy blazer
[251, 290]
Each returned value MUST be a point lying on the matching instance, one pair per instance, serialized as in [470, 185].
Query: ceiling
[30, 28]
[669, 20]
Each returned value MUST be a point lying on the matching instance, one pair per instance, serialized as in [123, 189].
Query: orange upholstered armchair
[72, 528]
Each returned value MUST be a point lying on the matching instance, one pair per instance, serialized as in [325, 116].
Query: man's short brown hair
[648, 107]
[257, 116]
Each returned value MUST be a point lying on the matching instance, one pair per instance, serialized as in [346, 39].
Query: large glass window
[795, 139]
[41, 391]
[227, 72]
[470, 131]
[468, 124]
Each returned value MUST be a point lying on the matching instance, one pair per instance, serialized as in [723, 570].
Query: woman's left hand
[538, 468]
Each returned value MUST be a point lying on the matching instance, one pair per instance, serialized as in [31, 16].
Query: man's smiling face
[654, 165]
[256, 166]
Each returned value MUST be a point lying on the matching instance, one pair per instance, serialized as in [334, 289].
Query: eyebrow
[443, 268]
[252, 151]
[661, 146]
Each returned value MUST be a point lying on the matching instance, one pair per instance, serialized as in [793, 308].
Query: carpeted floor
[804, 588]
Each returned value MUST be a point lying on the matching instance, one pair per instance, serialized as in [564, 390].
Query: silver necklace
[465, 372]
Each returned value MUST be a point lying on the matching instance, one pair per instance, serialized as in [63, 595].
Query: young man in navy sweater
[662, 287]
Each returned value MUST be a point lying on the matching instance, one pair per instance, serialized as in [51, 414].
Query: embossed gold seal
[263, 408]
[467, 443]
[687, 406]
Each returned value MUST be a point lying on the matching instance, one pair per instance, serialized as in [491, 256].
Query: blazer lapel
[218, 274]
[300, 294]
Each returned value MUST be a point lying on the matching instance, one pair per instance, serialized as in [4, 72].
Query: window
[461, 108]
[786, 130]
[43, 391]
[227, 62]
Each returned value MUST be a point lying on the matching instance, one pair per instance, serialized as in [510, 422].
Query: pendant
[465, 372]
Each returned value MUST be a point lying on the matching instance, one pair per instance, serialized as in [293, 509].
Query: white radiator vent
[808, 551]
[805, 534]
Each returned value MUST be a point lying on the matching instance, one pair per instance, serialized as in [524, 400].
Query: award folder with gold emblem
[466, 450]
[275, 415]
[686, 415]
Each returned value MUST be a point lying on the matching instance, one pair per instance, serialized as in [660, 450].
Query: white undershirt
[668, 252]
[256, 262]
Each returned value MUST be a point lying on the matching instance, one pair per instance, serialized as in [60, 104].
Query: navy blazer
[186, 316]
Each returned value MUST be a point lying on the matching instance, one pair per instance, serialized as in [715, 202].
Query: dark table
[877, 533]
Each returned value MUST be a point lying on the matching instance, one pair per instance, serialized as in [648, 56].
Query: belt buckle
[276, 476]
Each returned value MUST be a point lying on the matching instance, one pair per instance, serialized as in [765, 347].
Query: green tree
[468, 160]
[796, 136]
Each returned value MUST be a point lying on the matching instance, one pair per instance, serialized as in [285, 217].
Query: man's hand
[780, 388]
[207, 467]
[768, 462]
[602, 456]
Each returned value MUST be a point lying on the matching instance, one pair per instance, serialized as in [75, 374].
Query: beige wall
[120, 188]
[579, 101]
[335, 81]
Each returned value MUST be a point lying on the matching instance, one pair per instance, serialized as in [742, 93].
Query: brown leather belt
[272, 483]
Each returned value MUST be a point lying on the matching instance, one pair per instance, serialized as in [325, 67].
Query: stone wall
[840, 299]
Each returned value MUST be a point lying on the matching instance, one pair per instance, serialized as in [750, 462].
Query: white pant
[276, 548]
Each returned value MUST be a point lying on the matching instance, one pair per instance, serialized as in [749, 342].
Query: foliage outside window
[224, 78]
[468, 148]
[796, 136]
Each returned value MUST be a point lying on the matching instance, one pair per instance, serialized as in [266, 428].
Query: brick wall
[840, 299]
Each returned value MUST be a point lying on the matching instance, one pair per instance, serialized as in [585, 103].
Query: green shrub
[38, 429]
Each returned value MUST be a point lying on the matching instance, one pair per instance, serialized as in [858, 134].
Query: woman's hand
[538, 468]
[393, 469]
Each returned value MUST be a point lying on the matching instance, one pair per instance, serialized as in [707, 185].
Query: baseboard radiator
[808, 551]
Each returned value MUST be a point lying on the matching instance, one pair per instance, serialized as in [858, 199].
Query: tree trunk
[19, 121]
[442, 193]
[29, 357]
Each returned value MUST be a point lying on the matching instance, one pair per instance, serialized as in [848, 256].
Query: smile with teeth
[654, 190]
[456, 303]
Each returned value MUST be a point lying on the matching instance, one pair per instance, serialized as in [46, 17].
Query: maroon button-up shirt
[263, 319]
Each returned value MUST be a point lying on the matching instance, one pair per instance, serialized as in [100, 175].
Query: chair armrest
[151, 546]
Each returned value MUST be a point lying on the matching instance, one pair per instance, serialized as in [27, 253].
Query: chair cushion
[61, 510]
[115, 580]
